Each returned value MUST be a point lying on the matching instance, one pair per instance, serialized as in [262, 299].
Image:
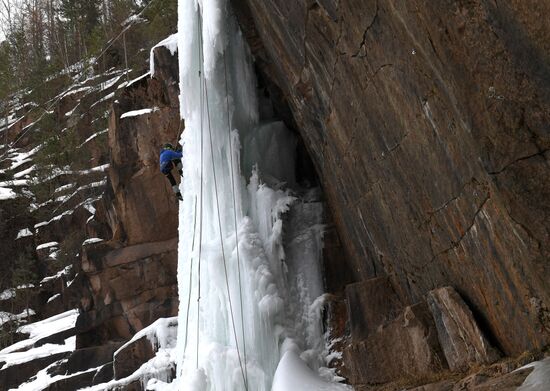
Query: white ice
[259, 244]
[294, 375]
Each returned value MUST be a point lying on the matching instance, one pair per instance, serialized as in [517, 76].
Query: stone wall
[428, 126]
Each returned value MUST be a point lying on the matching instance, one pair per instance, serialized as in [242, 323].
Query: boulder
[462, 340]
[74, 382]
[104, 374]
[406, 347]
[131, 356]
[92, 357]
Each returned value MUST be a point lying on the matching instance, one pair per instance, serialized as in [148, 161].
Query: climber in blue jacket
[170, 158]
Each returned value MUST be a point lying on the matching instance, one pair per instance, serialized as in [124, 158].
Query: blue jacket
[166, 157]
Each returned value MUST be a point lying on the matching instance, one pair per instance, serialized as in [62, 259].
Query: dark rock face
[428, 126]
[83, 359]
[379, 303]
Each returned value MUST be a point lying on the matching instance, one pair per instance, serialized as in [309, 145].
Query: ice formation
[244, 226]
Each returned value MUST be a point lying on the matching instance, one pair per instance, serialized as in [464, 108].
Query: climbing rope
[199, 35]
[190, 275]
[205, 97]
[234, 210]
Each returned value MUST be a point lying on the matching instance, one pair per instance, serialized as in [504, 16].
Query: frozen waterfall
[250, 239]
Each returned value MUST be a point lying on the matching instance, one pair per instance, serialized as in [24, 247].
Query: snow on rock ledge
[170, 43]
[136, 113]
[149, 355]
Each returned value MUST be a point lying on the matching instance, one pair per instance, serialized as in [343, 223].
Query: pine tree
[82, 20]
[24, 275]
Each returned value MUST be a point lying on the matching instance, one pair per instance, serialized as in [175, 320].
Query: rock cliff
[428, 127]
[122, 278]
[132, 275]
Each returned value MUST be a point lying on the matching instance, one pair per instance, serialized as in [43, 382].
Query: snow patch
[47, 245]
[7, 316]
[24, 172]
[43, 379]
[93, 136]
[23, 351]
[6, 193]
[7, 294]
[46, 350]
[64, 272]
[23, 233]
[170, 43]
[92, 241]
[52, 298]
[136, 113]
[137, 79]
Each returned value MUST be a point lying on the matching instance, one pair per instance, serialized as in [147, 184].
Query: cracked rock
[463, 343]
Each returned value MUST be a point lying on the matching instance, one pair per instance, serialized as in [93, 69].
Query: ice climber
[170, 158]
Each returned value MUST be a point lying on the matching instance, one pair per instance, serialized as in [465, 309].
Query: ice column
[260, 298]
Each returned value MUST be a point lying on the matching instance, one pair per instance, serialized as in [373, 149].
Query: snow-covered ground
[25, 351]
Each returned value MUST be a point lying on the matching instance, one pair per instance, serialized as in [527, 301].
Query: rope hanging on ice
[235, 213]
[203, 97]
